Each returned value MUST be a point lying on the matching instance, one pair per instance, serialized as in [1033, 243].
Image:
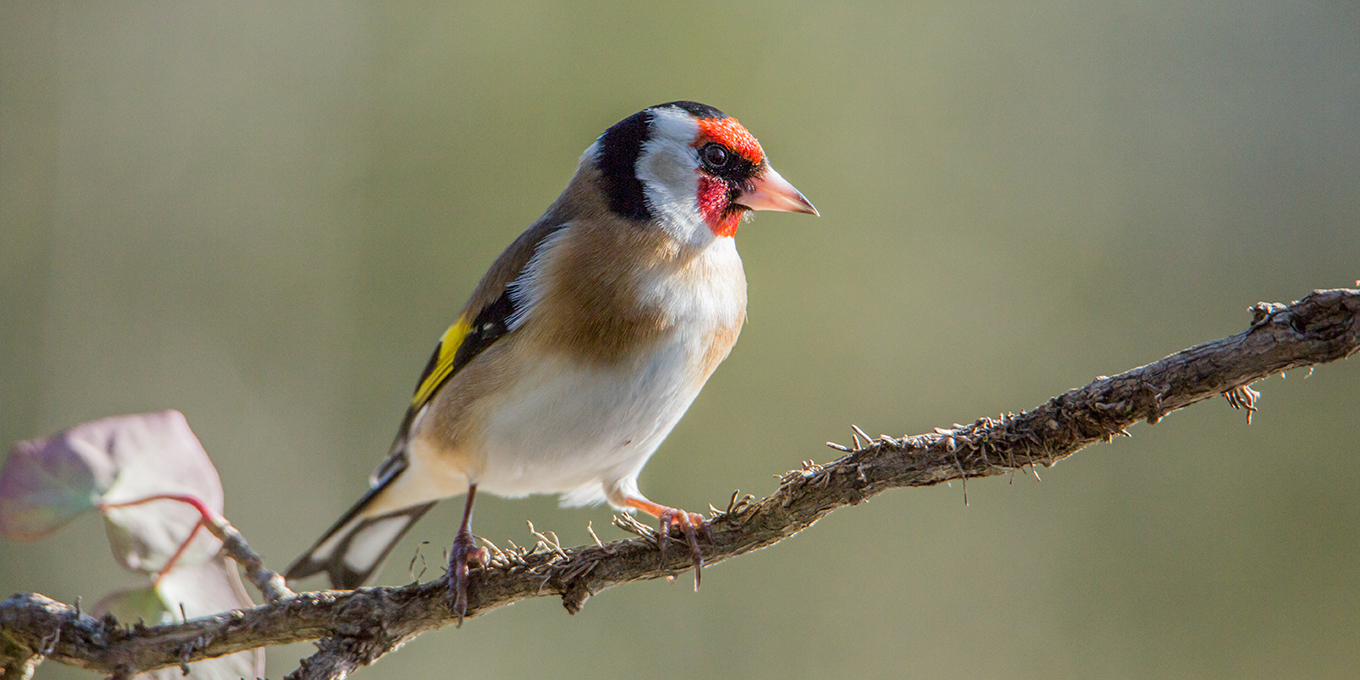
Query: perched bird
[583, 344]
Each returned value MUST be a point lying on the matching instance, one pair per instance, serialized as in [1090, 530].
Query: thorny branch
[358, 627]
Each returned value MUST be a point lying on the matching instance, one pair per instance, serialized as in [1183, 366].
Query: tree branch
[358, 627]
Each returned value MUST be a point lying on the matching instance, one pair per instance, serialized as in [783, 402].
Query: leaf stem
[269, 582]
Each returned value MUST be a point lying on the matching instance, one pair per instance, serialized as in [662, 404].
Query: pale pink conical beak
[773, 192]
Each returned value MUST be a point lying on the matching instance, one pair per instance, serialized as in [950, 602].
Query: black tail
[356, 546]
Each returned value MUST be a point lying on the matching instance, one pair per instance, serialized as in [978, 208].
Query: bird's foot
[691, 524]
[463, 553]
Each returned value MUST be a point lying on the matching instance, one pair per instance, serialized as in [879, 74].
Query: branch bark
[358, 627]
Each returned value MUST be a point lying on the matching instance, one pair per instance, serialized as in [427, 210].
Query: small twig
[550, 543]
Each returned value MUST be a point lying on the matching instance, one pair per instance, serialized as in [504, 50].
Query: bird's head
[691, 170]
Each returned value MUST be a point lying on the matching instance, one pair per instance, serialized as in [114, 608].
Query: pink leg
[463, 553]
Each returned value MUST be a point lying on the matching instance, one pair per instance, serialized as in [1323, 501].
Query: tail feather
[353, 549]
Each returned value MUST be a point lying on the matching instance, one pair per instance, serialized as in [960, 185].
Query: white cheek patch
[667, 167]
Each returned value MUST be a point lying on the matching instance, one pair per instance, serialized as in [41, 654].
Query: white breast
[584, 431]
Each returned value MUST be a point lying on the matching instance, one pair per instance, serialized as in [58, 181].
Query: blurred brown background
[264, 214]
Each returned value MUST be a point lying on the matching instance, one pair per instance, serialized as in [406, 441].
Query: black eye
[715, 156]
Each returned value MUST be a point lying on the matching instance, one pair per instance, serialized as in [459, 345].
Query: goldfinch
[582, 346]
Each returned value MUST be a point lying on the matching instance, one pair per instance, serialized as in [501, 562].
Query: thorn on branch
[552, 544]
[418, 555]
[631, 525]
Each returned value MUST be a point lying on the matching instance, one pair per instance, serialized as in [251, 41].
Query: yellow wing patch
[443, 366]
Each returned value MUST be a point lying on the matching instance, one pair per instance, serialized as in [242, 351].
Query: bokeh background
[264, 214]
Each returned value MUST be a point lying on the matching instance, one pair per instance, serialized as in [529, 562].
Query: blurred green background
[264, 214]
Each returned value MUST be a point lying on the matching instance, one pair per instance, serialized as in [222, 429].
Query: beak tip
[773, 192]
[804, 206]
